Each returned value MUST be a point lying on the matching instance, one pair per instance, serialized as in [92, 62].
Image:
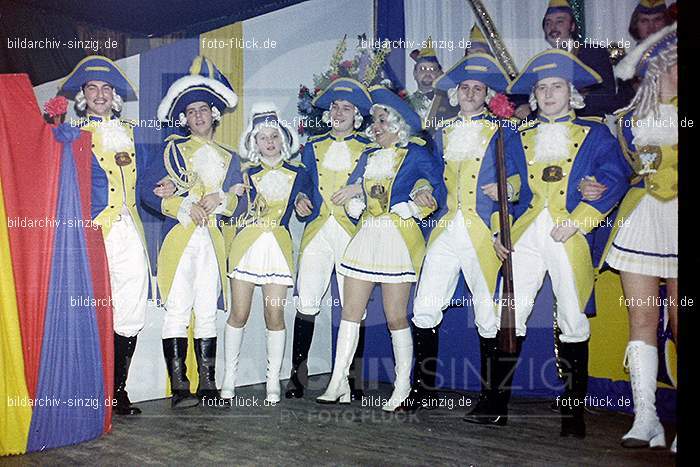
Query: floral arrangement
[55, 109]
[364, 66]
[501, 107]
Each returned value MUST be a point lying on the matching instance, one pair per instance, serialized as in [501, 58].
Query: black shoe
[205, 352]
[183, 400]
[124, 348]
[574, 364]
[303, 335]
[122, 405]
[175, 352]
[487, 411]
[425, 345]
[493, 409]
[572, 422]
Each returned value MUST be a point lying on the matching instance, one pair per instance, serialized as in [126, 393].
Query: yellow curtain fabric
[15, 412]
[230, 61]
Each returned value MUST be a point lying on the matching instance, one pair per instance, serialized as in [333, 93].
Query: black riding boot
[483, 412]
[425, 345]
[574, 364]
[355, 376]
[175, 352]
[303, 335]
[123, 351]
[502, 383]
[205, 351]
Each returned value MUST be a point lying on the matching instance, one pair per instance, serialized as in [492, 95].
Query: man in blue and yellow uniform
[192, 260]
[552, 156]
[329, 160]
[460, 243]
[100, 89]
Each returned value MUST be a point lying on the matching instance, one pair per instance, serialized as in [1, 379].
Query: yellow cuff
[424, 211]
[171, 206]
[586, 217]
[515, 182]
[231, 203]
[420, 185]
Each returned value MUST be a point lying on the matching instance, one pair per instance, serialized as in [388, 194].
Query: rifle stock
[506, 336]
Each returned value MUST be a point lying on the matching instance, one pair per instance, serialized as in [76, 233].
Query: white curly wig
[357, 122]
[397, 124]
[454, 100]
[248, 146]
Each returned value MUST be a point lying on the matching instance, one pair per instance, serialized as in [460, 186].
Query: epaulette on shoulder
[528, 124]
[620, 115]
[294, 163]
[226, 147]
[373, 146]
[314, 138]
[247, 165]
[176, 137]
[417, 140]
[362, 138]
[593, 118]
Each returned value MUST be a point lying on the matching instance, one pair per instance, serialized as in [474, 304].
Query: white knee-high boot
[275, 355]
[233, 337]
[402, 342]
[338, 389]
[642, 360]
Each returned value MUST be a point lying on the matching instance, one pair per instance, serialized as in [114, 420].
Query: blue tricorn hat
[651, 7]
[554, 63]
[204, 83]
[383, 96]
[559, 6]
[346, 89]
[97, 68]
[477, 66]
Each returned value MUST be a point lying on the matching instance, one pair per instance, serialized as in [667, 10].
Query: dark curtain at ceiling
[19, 22]
[135, 25]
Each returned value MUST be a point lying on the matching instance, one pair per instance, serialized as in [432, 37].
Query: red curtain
[30, 168]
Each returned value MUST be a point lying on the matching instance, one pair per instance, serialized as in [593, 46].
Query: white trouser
[535, 254]
[449, 254]
[196, 285]
[321, 255]
[128, 276]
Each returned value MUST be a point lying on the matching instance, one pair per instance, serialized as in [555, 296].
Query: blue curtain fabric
[70, 394]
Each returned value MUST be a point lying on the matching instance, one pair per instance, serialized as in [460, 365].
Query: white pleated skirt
[647, 242]
[263, 263]
[378, 253]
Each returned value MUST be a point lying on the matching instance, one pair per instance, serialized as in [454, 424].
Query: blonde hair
[397, 124]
